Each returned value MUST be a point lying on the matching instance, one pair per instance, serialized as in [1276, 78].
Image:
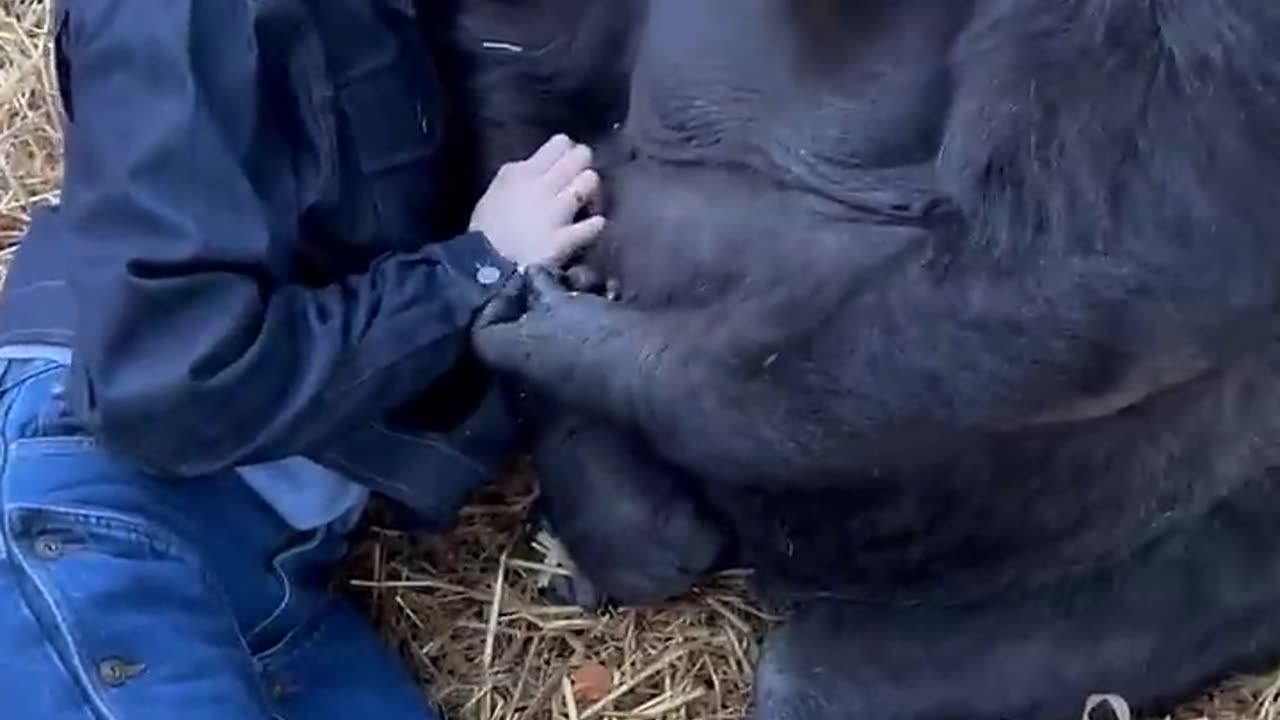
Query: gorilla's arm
[1120, 179]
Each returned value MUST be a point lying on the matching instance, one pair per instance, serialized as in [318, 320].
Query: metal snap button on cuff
[488, 275]
[116, 672]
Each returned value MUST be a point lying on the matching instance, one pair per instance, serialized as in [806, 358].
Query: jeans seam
[74, 663]
[311, 544]
[296, 641]
[52, 654]
[158, 539]
[16, 384]
[77, 661]
[75, 443]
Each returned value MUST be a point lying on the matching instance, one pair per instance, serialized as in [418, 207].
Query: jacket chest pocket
[387, 120]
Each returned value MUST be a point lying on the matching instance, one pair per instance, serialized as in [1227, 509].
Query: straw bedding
[464, 609]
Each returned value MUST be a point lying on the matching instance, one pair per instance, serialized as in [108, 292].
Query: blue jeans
[125, 596]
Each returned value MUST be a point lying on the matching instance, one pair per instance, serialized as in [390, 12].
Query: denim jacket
[243, 259]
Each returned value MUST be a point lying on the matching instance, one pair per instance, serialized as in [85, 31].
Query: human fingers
[568, 166]
[577, 236]
[579, 193]
[551, 151]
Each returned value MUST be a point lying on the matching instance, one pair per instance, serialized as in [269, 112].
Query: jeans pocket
[131, 611]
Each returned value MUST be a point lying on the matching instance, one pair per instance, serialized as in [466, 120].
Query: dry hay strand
[463, 608]
[466, 610]
[30, 138]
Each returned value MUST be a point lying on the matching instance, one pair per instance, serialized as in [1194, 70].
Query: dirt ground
[463, 609]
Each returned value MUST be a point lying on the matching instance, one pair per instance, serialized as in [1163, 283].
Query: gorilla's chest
[768, 127]
[693, 236]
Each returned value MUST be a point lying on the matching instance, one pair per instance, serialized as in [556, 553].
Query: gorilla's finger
[579, 193]
[568, 166]
[544, 283]
[584, 278]
[582, 233]
[575, 590]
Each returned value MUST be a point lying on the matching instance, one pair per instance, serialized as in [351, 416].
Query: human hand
[527, 213]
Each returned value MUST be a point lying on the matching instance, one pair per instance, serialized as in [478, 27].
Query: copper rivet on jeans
[48, 547]
[116, 672]
[488, 275]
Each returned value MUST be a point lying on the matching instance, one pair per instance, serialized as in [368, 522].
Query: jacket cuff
[472, 259]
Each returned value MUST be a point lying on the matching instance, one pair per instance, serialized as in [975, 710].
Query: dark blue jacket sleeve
[193, 351]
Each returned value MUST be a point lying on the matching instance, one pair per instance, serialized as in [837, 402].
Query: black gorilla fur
[952, 319]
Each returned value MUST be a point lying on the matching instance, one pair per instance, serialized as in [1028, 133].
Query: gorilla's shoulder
[1147, 117]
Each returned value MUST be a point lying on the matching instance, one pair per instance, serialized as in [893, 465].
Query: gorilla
[952, 320]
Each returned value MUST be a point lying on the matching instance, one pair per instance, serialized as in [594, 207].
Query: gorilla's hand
[585, 278]
[547, 335]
